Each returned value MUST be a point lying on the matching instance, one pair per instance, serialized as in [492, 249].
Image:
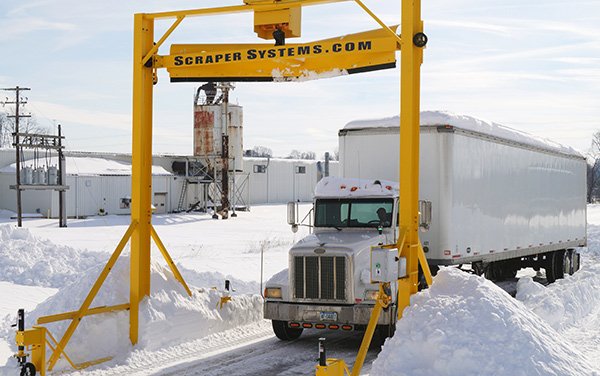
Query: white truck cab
[328, 283]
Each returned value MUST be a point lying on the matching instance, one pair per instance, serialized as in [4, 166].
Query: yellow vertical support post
[410, 71]
[141, 168]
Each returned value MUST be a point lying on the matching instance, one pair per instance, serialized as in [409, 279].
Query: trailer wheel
[555, 267]
[284, 332]
[28, 370]
[568, 262]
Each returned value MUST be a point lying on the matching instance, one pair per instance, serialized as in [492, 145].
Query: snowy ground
[462, 325]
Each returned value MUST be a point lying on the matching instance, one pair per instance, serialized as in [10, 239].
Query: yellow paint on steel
[169, 260]
[60, 347]
[52, 342]
[411, 58]
[141, 169]
[249, 7]
[424, 265]
[334, 367]
[358, 52]
[223, 301]
[383, 301]
[33, 340]
[70, 315]
[157, 45]
[391, 32]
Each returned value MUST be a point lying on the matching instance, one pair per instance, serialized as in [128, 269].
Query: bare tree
[593, 168]
[27, 125]
[260, 151]
[295, 154]
[5, 137]
[335, 156]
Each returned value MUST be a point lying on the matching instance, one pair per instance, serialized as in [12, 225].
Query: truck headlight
[273, 292]
[371, 294]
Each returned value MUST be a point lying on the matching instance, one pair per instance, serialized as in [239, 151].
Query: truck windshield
[354, 212]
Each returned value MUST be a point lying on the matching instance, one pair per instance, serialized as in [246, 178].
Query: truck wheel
[284, 332]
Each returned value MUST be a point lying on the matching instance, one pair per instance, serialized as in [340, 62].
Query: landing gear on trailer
[284, 332]
[497, 271]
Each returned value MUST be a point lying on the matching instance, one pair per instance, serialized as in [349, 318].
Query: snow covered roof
[468, 123]
[349, 187]
[83, 166]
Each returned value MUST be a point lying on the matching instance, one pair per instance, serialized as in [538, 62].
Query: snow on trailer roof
[468, 123]
[349, 187]
[83, 166]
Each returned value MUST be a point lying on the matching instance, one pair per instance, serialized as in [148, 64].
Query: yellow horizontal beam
[71, 315]
[267, 5]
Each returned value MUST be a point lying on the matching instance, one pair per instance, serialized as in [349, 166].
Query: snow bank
[168, 317]
[216, 279]
[565, 302]
[433, 118]
[27, 260]
[350, 187]
[465, 324]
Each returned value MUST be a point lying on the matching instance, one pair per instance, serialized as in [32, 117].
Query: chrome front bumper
[357, 314]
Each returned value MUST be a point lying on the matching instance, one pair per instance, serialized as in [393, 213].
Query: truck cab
[328, 284]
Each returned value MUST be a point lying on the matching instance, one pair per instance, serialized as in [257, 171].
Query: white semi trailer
[497, 199]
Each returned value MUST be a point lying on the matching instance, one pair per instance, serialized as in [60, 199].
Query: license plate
[328, 316]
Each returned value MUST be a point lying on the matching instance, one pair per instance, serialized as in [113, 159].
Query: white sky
[531, 65]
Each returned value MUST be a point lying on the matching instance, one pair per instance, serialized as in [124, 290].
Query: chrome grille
[320, 277]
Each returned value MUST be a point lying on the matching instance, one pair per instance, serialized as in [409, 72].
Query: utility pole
[17, 116]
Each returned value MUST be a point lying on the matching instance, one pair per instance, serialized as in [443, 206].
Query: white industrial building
[100, 183]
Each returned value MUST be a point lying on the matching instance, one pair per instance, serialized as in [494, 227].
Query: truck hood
[343, 240]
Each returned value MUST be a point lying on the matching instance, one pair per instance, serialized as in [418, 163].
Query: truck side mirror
[424, 215]
[291, 213]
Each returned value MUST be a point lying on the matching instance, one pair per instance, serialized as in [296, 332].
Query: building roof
[87, 166]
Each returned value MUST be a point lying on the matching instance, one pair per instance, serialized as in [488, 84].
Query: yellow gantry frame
[141, 231]
[145, 51]
[409, 245]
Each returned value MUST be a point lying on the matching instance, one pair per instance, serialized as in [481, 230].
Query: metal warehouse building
[100, 183]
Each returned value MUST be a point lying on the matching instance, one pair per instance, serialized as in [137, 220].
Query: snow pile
[350, 187]
[565, 302]
[216, 279]
[593, 243]
[27, 260]
[434, 118]
[169, 317]
[288, 74]
[6, 213]
[465, 324]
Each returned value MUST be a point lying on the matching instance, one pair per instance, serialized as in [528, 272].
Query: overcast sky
[531, 65]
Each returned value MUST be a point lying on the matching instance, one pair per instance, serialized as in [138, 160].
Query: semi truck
[491, 197]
